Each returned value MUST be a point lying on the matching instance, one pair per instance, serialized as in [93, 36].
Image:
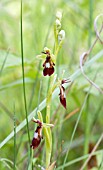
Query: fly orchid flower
[48, 64]
[62, 95]
[37, 135]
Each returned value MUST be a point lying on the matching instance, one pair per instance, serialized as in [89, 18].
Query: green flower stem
[48, 138]
[52, 87]
[56, 36]
[49, 98]
[48, 143]
[58, 48]
[47, 131]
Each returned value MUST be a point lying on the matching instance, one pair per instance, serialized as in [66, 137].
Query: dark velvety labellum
[63, 102]
[48, 71]
[35, 143]
[37, 137]
[62, 96]
[48, 66]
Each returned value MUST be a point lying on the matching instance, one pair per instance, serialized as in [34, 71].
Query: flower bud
[61, 35]
[58, 24]
[59, 15]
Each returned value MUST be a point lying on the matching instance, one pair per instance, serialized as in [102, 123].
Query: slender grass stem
[90, 22]
[87, 129]
[87, 124]
[14, 139]
[2, 67]
[23, 75]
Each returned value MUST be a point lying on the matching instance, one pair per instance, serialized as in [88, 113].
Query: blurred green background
[38, 21]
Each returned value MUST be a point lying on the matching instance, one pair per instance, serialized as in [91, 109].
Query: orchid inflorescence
[49, 62]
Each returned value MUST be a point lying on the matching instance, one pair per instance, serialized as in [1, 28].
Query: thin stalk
[90, 21]
[14, 140]
[87, 124]
[31, 161]
[56, 37]
[24, 91]
[48, 101]
[87, 129]
[48, 108]
[2, 67]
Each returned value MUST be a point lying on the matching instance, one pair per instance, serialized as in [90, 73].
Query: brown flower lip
[48, 65]
[37, 136]
[62, 96]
